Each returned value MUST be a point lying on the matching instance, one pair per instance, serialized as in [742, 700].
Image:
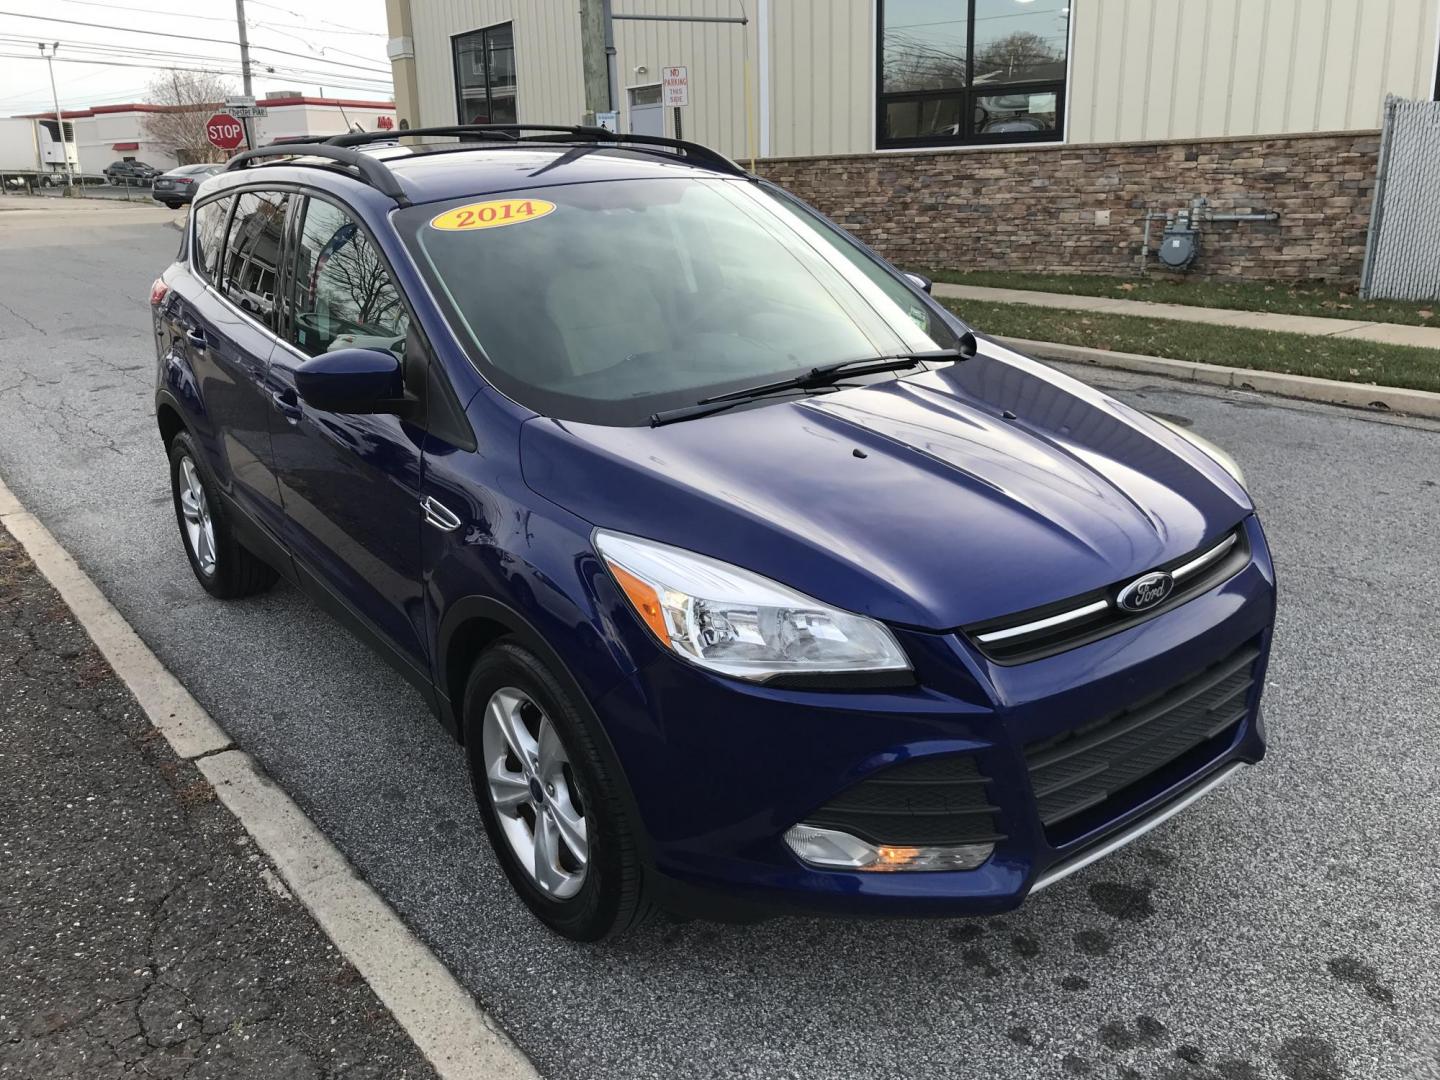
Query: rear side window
[252, 253]
[344, 296]
[209, 236]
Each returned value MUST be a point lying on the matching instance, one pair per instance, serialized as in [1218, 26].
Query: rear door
[349, 483]
[225, 331]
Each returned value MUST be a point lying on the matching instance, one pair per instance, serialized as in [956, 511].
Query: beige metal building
[810, 77]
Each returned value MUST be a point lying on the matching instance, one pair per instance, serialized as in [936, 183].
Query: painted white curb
[1394, 399]
[442, 1018]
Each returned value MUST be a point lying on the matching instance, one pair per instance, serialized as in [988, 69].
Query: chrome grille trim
[1043, 624]
[1203, 560]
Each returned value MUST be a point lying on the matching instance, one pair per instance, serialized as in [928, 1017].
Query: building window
[485, 75]
[958, 72]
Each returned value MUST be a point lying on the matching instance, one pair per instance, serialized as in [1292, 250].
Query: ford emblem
[1145, 592]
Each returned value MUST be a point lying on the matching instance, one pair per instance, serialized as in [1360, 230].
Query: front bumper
[720, 769]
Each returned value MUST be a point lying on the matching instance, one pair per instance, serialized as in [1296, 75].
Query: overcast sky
[337, 45]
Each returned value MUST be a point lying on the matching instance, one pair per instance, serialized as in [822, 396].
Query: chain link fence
[1401, 260]
[83, 185]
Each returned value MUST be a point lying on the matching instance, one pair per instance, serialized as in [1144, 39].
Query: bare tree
[1016, 56]
[355, 269]
[187, 99]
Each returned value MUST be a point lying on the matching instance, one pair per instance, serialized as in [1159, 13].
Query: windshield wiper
[822, 375]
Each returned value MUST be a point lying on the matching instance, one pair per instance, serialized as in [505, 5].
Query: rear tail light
[158, 292]
[185, 180]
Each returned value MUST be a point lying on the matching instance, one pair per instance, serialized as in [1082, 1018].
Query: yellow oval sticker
[491, 215]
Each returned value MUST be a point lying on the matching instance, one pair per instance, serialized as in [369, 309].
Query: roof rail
[372, 170]
[692, 151]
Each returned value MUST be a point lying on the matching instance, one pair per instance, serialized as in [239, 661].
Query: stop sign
[224, 131]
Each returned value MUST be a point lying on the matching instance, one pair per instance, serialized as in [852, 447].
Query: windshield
[605, 302]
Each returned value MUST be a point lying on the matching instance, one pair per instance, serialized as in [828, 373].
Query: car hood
[919, 501]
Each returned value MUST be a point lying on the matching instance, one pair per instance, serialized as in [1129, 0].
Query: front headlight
[738, 623]
[1205, 446]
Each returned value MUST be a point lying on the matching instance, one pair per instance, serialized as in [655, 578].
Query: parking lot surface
[1285, 927]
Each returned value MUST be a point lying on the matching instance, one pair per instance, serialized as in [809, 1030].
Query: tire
[608, 899]
[225, 568]
[172, 205]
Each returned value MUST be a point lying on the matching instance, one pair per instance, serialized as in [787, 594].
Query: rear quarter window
[209, 234]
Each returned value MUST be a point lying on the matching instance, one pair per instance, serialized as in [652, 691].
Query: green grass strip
[1282, 298]
[1348, 360]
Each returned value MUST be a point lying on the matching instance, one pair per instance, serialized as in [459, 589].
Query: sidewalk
[1425, 337]
[19, 212]
[146, 935]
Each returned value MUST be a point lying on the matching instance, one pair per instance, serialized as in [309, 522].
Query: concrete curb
[441, 1017]
[1392, 399]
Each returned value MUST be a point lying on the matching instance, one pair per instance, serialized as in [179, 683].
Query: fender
[516, 626]
[179, 389]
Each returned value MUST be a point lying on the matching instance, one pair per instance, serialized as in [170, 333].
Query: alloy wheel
[532, 788]
[195, 508]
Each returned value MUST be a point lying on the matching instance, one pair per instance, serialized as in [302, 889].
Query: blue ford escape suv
[750, 578]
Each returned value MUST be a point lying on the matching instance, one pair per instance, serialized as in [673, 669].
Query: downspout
[763, 30]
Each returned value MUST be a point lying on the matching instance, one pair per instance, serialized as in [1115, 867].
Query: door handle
[196, 337]
[287, 403]
[439, 515]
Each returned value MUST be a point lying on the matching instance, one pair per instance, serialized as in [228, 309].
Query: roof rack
[512, 132]
[371, 169]
[375, 172]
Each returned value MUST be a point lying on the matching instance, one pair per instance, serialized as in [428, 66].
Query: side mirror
[351, 381]
[920, 281]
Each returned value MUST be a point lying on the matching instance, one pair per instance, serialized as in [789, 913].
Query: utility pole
[59, 119]
[594, 34]
[244, 67]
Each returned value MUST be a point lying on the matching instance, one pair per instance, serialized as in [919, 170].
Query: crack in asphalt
[139, 926]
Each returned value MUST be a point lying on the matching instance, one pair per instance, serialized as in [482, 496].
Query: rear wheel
[222, 565]
[551, 807]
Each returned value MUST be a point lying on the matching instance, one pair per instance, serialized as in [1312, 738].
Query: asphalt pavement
[1285, 927]
[145, 935]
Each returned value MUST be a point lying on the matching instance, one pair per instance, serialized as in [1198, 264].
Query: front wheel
[223, 566]
[551, 807]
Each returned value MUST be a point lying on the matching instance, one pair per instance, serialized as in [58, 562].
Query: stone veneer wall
[1035, 208]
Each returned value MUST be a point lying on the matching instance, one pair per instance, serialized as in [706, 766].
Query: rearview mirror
[351, 381]
[920, 281]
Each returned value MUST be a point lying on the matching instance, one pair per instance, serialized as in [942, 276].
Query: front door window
[344, 297]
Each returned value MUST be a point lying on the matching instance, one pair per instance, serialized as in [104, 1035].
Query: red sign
[224, 131]
[384, 123]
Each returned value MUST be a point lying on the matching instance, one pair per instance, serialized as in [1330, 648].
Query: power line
[188, 37]
[303, 15]
[326, 28]
[165, 57]
[312, 78]
[148, 11]
[219, 18]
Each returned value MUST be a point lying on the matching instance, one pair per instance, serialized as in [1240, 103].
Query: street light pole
[59, 119]
[244, 67]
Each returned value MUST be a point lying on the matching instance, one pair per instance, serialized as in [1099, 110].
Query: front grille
[1098, 771]
[930, 800]
[1079, 620]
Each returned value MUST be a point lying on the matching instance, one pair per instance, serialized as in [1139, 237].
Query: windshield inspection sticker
[491, 215]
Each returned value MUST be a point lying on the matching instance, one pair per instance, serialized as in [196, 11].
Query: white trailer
[19, 145]
[30, 152]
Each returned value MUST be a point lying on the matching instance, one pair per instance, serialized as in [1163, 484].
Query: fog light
[832, 848]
